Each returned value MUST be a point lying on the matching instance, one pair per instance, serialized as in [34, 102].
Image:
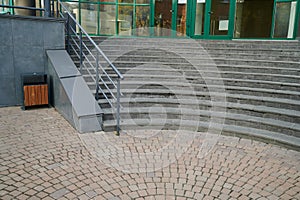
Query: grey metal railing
[48, 9]
[23, 7]
[93, 61]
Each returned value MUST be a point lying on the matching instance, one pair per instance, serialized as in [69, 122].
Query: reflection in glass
[142, 20]
[125, 1]
[89, 17]
[199, 19]
[284, 20]
[107, 19]
[163, 17]
[125, 21]
[253, 18]
[181, 19]
[219, 17]
[143, 1]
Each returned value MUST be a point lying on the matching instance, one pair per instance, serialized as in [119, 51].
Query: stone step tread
[256, 108]
[192, 111]
[249, 81]
[221, 81]
[287, 139]
[206, 72]
[187, 101]
[223, 49]
[212, 59]
[207, 113]
[228, 105]
[284, 43]
[201, 53]
[191, 47]
[182, 84]
[236, 67]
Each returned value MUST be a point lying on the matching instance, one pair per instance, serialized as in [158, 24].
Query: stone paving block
[59, 193]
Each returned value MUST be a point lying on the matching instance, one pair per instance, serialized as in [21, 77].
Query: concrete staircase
[245, 88]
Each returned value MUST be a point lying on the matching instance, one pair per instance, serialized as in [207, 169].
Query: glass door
[163, 17]
[170, 17]
[181, 17]
[212, 18]
[219, 14]
[285, 19]
[197, 18]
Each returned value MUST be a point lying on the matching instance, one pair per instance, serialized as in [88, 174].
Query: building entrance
[205, 19]
[170, 17]
[211, 18]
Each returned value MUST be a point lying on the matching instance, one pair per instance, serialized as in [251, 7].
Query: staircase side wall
[23, 43]
[70, 94]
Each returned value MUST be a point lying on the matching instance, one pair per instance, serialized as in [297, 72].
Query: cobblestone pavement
[43, 157]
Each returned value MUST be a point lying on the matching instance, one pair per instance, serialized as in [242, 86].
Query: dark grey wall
[23, 45]
[70, 94]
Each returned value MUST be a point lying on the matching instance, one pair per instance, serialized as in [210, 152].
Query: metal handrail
[92, 41]
[76, 36]
[22, 7]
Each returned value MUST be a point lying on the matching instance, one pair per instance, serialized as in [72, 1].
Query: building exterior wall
[265, 19]
[23, 42]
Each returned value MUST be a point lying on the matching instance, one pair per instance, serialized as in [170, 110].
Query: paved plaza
[43, 157]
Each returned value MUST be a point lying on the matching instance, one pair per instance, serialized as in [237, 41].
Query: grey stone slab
[76, 87]
[6, 60]
[27, 59]
[52, 35]
[8, 91]
[59, 193]
[31, 33]
[6, 32]
[63, 64]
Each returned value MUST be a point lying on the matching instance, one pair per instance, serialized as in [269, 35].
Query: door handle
[171, 11]
[210, 12]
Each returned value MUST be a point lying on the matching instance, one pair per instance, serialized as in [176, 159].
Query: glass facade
[211, 19]
[111, 17]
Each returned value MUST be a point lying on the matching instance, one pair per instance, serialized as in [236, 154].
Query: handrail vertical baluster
[68, 33]
[118, 106]
[97, 76]
[80, 53]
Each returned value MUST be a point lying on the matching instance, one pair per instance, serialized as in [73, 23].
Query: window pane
[181, 19]
[125, 1]
[284, 20]
[107, 19]
[219, 17]
[89, 18]
[142, 20]
[199, 19]
[108, 1]
[143, 1]
[253, 18]
[125, 20]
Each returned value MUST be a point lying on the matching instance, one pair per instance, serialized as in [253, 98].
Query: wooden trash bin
[35, 90]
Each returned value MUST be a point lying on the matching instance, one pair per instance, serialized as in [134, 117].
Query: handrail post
[97, 77]
[47, 8]
[80, 53]
[68, 33]
[118, 106]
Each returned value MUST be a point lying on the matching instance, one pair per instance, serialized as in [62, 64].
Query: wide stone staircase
[243, 88]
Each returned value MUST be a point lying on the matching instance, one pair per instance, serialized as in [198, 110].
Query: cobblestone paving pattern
[43, 157]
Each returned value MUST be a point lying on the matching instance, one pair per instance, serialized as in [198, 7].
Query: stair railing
[92, 60]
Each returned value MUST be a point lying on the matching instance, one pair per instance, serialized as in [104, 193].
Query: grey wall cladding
[23, 45]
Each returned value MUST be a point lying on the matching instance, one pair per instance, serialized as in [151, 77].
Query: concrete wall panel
[23, 44]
